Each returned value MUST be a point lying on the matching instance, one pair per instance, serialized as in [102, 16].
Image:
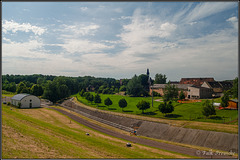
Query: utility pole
[150, 86]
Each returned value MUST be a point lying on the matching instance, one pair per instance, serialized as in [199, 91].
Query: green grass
[63, 140]
[7, 94]
[187, 111]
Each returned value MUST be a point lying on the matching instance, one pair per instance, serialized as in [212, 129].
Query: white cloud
[139, 35]
[83, 46]
[79, 30]
[84, 8]
[143, 28]
[12, 26]
[233, 21]
[207, 9]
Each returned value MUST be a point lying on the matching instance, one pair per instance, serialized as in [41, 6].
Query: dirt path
[133, 139]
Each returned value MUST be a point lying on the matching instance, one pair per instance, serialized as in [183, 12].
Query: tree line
[55, 88]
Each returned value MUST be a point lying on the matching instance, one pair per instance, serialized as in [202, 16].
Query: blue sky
[120, 39]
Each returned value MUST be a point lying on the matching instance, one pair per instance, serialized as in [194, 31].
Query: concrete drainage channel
[210, 139]
[128, 129]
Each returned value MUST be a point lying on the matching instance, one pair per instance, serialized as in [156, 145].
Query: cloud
[142, 28]
[83, 46]
[144, 36]
[206, 9]
[84, 8]
[78, 30]
[12, 26]
[233, 21]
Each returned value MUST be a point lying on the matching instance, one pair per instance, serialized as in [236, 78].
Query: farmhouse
[195, 92]
[25, 101]
[159, 88]
[218, 87]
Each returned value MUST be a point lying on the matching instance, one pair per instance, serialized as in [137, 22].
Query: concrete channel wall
[209, 139]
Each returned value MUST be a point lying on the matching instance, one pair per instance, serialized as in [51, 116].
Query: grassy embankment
[187, 111]
[45, 133]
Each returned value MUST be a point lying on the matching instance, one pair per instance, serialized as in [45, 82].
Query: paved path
[133, 139]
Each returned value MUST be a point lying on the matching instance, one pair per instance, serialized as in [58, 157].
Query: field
[45, 133]
[7, 94]
[187, 111]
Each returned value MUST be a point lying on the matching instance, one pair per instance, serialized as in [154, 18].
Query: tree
[50, 91]
[122, 103]
[20, 87]
[86, 94]
[170, 92]
[181, 95]
[91, 98]
[235, 88]
[26, 90]
[225, 99]
[37, 90]
[208, 109]
[63, 91]
[143, 105]
[166, 107]
[156, 94]
[123, 88]
[108, 102]
[97, 99]
[143, 78]
[134, 87]
[160, 79]
[82, 93]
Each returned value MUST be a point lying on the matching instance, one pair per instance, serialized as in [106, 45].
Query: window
[30, 100]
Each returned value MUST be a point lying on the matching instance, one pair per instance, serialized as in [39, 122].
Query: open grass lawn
[45, 133]
[187, 111]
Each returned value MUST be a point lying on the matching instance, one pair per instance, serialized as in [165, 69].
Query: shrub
[156, 94]
[166, 107]
[143, 105]
[122, 103]
[208, 109]
[108, 102]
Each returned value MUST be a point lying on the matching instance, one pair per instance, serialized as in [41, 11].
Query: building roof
[214, 84]
[234, 100]
[195, 81]
[19, 97]
[224, 85]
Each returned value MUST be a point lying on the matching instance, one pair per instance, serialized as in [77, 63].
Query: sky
[121, 39]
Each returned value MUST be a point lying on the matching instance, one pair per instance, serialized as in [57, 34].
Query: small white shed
[26, 101]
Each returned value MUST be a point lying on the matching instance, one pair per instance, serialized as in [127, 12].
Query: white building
[26, 101]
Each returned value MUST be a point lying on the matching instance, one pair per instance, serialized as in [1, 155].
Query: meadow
[182, 111]
[45, 133]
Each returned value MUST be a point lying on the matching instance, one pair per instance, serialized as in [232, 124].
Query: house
[195, 92]
[159, 88]
[195, 81]
[25, 101]
[218, 87]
